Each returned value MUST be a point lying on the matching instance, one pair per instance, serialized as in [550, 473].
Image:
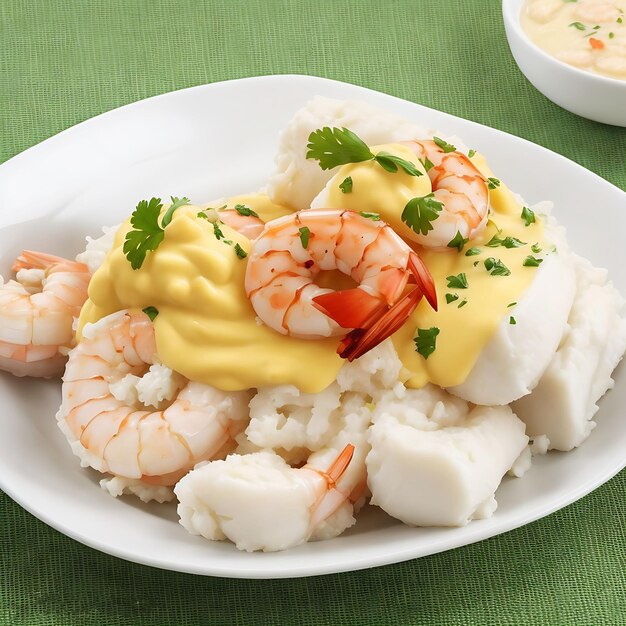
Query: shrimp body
[292, 250]
[261, 503]
[37, 311]
[460, 188]
[117, 435]
[247, 225]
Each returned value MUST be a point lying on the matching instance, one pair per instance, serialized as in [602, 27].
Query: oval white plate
[217, 140]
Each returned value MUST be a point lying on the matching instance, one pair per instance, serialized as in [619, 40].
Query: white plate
[213, 141]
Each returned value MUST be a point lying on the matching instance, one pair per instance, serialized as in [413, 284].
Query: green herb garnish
[536, 248]
[462, 303]
[340, 146]
[147, 233]
[151, 312]
[471, 153]
[458, 241]
[512, 320]
[457, 282]
[472, 252]
[419, 213]
[305, 233]
[451, 297]
[241, 253]
[496, 268]
[508, 306]
[427, 163]
[242, 209]
[528, 216]
[532, 261]
[507, 242]
[493, 183]
[346, 185]
[578, 26]
[375, 217]
[444, 145]
[426, 341]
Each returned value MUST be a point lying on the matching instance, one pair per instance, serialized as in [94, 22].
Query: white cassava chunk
[564, 402]
[515, 358]
[442, 471]
[297, 180]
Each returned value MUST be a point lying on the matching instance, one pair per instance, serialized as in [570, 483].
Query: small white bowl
[589, 95]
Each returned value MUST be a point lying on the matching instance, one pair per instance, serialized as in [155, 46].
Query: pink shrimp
[37, 312]
[293, 249]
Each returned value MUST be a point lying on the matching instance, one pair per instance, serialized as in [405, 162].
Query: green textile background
[63, 61]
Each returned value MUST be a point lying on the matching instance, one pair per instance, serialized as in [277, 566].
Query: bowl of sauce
[574, 52]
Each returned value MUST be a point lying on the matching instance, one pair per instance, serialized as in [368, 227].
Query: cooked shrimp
[247, 225]
[37, 311]
[261, 503]
[293, 249]
[460, 187]
[121, 437]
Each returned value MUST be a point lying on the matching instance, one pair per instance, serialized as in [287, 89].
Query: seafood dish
[385, 322]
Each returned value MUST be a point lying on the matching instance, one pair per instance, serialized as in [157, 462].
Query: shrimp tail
[30, 259]
[351, 308]
[360, 341]
[423, 278]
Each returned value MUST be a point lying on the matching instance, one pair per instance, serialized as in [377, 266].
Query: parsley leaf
[244, 210]
[346, 185]
[496, 268]
[375, 217]
[151, 312]
[444, 145]
[528, 216]
[532, 261]
[536, 248]
[508, 306]
[493, 183]
[391, 162]
[451, 297]
[507, 242]
[217, 231]
[457, 282]
[472, 252]
[305, 233]
[512, 320]
[241, 253]
[146, 235]
[336, 146]
[426, 341]
[420, 212]
[462, 303]
[458, 241]
[471, 153]
[427, 163]
[578, 25]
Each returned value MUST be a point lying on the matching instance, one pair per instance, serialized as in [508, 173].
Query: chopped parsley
[340, 146]
[496, 268]
[578, 26]
[532, 261]
[611, 35]
[457, 282]
[244, 210]
[426, 341]
[305, 233]
[536, 248]
[512, 320]
[458, 241]
[507, 242]
[472, 252]
[419, 213]
[471, 153]
[375, 217]
[528, 216]
[508, 306]
[493, 183]
[151, 312]
[241, 253]
[444, 145]
[427, 163]
[346, 185]
[217, 231]
[462, 303]
[451, 297]
[147, 234]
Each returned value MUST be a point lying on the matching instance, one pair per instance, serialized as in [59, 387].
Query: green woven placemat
[64, 61]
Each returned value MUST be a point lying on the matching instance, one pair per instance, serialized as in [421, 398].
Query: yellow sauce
[463, 331]
[207, 330]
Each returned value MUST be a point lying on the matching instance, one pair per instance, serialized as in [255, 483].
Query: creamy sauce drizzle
[589, 34]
